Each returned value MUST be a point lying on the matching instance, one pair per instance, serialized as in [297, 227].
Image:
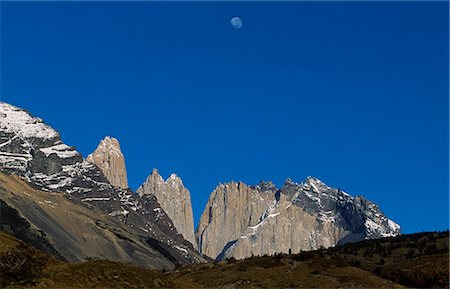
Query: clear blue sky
[353, 93]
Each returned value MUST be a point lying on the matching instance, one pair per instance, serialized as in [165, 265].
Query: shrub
[22, 265]
[242, 268]
[355, 263]
[231, 260]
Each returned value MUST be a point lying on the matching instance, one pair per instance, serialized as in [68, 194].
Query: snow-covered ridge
[21, 123]
[323, 202]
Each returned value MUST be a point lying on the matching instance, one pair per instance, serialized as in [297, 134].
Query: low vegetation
[416, 260]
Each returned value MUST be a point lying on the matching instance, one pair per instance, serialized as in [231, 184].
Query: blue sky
[353, 93]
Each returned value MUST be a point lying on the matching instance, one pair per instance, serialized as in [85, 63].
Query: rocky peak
[316, 184]
[174, 180]
[174, 198]
[265, 186]
[289, 187]
[109, 158]
[153, 183]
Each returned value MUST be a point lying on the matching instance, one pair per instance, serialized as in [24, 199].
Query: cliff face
[175, 200]
[109, 158]
[240, 221]
[231, 209]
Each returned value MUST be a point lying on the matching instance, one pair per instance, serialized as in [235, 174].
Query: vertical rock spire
[109, 158]
[174, 199]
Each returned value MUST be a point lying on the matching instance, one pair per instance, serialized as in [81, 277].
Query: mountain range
[76, 208]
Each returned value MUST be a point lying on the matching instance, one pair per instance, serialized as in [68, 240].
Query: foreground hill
[417, 260]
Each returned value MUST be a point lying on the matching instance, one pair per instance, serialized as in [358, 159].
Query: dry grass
[102, 274]
[349, 266]
[276, 272]
[8, 242]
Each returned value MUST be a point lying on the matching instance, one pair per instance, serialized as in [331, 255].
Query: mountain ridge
[241, 221]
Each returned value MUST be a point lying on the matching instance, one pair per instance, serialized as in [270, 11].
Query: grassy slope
[419, 260]
[22, 265]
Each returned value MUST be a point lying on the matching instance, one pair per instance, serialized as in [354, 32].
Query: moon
[236, 22]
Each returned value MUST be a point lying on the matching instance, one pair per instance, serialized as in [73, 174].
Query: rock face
[174, 198]
[33, 151]
[240, 221]
[109, 158]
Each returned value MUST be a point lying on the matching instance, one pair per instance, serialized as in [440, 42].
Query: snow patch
[95, 199]
[118, 213]
[63, 183]
[61, 150]
[393, 225]
[181, 249]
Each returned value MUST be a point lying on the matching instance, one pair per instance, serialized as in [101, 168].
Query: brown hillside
[418, 260]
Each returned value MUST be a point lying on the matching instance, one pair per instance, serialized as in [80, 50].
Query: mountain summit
[174, 198]
[109, 158]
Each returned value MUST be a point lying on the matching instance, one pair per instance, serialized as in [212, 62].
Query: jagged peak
[230, 184]
[173, 176]
[109, 158]
[312, 179]
[316, 184]
[174, 179]
[155, 176]
[108, 145]
[111, 145]
[110, 141]
[289, 182]
[265, 186]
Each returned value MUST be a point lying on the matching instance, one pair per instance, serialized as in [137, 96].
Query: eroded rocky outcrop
[109, 158]
[174, 198]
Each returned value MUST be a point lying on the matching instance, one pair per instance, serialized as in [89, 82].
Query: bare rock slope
[70, 230]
